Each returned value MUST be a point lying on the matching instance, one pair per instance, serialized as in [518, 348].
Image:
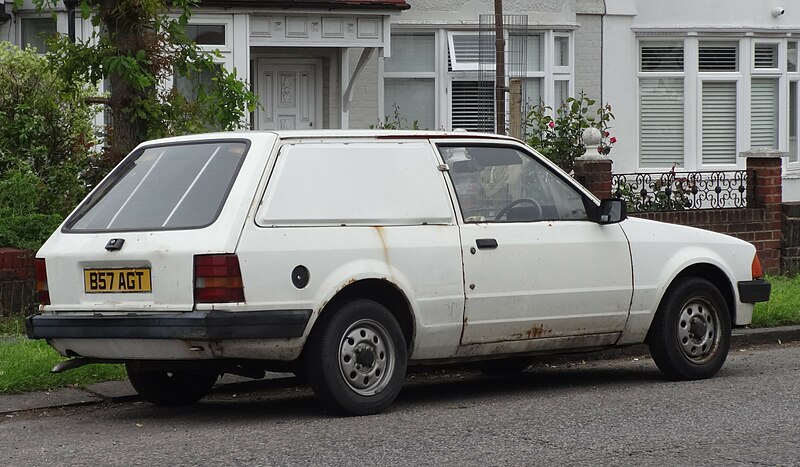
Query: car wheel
[505, 366]
[171, 388]
[356, 358]
[691, 331]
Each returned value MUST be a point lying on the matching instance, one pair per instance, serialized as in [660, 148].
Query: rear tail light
[217, 279]
[40, 274]
[755, 268]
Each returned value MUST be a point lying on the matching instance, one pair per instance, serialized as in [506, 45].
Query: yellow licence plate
[117, 280]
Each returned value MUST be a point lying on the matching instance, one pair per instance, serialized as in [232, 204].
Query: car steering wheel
[516, 202]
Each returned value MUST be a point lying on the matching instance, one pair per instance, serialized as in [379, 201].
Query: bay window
[445, 79]
[702, 100]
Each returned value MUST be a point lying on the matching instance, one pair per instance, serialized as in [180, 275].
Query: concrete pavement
[120, 391]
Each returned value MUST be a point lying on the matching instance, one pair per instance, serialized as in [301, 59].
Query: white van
[349, 255]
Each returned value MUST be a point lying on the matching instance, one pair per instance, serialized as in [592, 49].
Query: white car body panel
[421, 261]
[661, 251]
[545, 279]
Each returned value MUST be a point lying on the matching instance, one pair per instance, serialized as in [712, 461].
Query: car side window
[503, 184]
[355, 183]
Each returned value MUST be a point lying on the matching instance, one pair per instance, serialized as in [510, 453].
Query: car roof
[331, 134]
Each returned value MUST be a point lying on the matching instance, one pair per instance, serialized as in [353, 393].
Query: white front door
[288, 95]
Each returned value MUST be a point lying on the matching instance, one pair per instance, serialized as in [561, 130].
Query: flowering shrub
[558, 137]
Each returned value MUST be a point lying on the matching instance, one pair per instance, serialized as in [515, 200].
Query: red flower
[552, 124]
[606, 134]
[613, 140]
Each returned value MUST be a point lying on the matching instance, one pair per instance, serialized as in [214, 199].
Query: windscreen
[181, 186]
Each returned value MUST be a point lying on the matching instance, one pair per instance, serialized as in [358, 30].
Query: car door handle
[486, 243]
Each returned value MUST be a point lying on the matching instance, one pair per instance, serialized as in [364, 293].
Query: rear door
[535, 266]
[130, 246]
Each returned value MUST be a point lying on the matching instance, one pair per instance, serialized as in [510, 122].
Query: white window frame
[720, 78]
[779, 73]
[555, 73]
[528, 74]
[742, 107]
[462, 71]
[454, 62]
[216, 20]
[796, 41]
[793, 162]
[689, 115]
[693, 81]
[444, 78]
[61, 24]
[414, 74]
[781, 56]
[563, 69]
[226, 51]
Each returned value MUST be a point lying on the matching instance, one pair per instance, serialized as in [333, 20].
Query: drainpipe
[602, 48]
[71, 5]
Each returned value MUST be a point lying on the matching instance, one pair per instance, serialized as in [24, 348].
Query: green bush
[46, 138]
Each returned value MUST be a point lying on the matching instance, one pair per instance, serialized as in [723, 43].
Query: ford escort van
[347, 256]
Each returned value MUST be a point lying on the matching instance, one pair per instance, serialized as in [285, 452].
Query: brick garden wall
[17, 283]
[790, 239]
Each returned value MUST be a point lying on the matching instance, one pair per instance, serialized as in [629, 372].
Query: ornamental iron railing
[676, 191]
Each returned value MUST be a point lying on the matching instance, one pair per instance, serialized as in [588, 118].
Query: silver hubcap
[698, 330]
[365, 357]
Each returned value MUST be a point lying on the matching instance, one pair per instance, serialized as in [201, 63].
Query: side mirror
[611, 211]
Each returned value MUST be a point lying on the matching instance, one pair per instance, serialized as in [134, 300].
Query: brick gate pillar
[764, 165]
[594, 172]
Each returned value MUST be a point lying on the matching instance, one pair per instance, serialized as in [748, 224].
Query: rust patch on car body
[324, 304]
[532, 333]
[384, 246]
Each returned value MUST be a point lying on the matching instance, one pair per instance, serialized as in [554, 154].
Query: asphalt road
[615, 412]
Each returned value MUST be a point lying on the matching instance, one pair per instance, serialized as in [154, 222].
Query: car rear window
[168, 187]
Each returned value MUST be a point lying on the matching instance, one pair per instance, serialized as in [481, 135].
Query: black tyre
[356, 358]
[691, 331]
[505, 366]
[171, 388]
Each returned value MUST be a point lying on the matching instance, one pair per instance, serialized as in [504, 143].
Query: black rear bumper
[754, 291]
[198, 326]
